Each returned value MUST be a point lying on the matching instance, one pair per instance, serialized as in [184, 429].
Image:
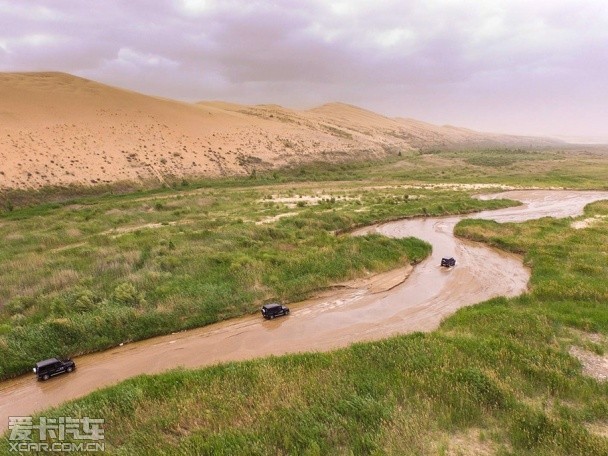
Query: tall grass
[496, 378]
[186, 259]
[88, 273]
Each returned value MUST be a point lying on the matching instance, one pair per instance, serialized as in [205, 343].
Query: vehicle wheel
[271, 317]
[70, 369]
[45, 377]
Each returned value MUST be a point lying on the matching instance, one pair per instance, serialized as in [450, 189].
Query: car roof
[272, 305]
[46, 362]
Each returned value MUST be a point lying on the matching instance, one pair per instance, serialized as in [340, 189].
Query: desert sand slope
[58, 129]
[424, 135]
[369, 128]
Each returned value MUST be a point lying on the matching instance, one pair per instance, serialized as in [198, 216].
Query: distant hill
[59, 129]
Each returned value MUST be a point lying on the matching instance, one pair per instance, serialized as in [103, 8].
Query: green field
[495, 378]
[91, 273]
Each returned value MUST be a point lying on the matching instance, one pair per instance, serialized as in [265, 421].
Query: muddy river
[368, 309]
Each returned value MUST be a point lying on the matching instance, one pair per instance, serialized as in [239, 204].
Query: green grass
[570, 168]
[497, 373]
[574, 167]
[495, 377]
[580, 168]
[100, 271]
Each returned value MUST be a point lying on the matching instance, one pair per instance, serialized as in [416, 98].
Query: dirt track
[365, 310]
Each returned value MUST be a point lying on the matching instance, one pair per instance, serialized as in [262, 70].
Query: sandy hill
[58, 129]
[425, 135]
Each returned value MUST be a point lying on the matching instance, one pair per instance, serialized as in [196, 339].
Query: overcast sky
[528, 67]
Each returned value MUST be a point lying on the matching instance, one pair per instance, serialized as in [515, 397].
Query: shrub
[127, 295]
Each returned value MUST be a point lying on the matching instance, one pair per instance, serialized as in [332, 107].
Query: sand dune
[58, 129]
[423, 135]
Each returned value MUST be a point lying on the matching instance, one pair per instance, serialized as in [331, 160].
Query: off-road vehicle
[448, 262]
[269, 311]
[53, 366]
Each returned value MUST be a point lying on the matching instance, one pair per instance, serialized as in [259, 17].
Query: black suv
[448, 262]
[269, 311]
[53, 366]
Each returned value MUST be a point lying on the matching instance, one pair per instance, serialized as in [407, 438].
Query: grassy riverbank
[577, 167]
[86, 275]
[496, 378]
[86, 271]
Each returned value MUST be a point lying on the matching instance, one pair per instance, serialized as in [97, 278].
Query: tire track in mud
[360, 310]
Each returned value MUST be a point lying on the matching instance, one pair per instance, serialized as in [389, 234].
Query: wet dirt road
[365, 310]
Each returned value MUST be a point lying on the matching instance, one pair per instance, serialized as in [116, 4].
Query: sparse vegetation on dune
[60, 130]
[576, 168]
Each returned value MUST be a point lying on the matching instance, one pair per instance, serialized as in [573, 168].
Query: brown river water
[363, 310]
